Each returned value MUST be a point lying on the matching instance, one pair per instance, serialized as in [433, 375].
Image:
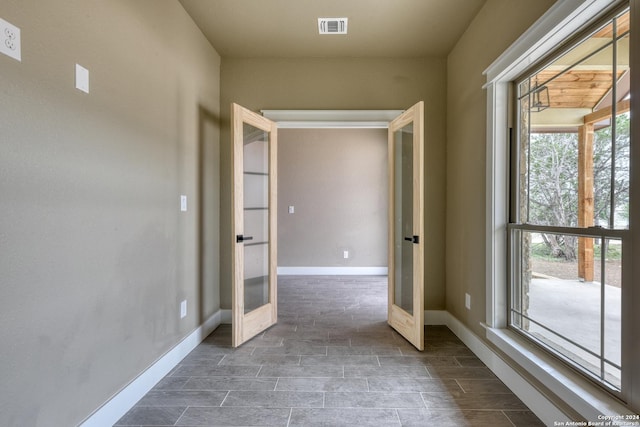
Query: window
[568, 224]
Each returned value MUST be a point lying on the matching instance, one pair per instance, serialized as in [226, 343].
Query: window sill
[592, 403]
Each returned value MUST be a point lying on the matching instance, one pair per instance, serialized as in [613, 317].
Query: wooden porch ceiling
[622, 26]
[578, 88]
[580, 81]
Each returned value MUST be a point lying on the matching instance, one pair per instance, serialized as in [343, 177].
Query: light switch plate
[82, 78]
[183, 203]
[467, 301]
[292, 209]
[183, 309]
[10, 40]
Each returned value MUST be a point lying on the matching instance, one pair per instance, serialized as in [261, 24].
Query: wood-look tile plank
[238, 416]
[338, 417]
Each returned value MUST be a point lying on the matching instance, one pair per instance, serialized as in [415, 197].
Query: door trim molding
[332, 119]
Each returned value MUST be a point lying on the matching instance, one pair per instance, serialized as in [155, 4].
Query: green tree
[553, 182]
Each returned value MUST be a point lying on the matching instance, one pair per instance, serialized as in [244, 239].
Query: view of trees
[553, 182]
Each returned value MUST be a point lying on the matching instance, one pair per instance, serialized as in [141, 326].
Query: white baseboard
[333, 271]
[124, 400]
[537, 402]
[436, 317]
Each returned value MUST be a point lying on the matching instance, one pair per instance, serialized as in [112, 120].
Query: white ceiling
[289, 28]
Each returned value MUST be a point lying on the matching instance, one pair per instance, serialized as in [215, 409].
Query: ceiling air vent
[332, 25]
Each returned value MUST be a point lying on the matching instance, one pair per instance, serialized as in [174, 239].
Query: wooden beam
[585, 200]
[585, 184]
[605, 113]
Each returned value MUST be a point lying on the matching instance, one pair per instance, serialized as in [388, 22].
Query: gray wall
[95, 255]
[498, 24]
[335, 84]
[337, 181]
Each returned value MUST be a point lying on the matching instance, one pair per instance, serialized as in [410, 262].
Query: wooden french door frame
[246, 325]
[409, 324]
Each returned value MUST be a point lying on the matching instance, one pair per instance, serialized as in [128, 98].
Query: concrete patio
[572, 308]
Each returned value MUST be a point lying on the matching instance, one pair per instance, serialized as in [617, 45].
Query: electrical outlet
[467, 301]
[10, 40]
[183, 309]
[345, 254]
[292, 209]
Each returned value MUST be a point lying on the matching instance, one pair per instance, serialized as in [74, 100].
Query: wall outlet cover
[467, 301]
[10, 40]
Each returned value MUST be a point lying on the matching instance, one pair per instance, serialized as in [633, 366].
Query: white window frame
[588, 401]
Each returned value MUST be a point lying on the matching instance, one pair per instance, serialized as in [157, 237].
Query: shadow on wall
[208, 238]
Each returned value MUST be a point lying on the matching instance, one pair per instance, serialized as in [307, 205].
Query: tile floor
[331, 360]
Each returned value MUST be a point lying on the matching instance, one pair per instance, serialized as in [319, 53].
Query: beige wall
[95, 253]
[337, 181]
[498, 24]
[326, 83]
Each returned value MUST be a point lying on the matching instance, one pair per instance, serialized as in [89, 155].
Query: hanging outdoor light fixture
[539, 98]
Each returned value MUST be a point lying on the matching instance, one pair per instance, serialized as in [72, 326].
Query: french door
[254, 288]
[406, 225]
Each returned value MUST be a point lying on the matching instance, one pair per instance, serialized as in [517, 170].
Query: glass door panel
[256, 217]
[403, 206]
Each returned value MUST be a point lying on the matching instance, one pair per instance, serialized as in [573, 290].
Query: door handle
[413, 239]
[240, 238]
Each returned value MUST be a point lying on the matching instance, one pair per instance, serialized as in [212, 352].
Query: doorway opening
[332, 201]
[332, 195]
